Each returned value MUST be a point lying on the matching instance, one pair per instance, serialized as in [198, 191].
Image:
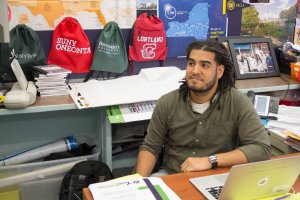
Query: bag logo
[13, 54]
[21, 56]
[148, 50]
[64, 44]
[108, 48]
[170, 12]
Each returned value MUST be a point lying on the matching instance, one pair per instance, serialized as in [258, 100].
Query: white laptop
[252, 180]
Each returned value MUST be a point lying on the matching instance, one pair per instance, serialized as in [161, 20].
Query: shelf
[267, 84]
[127, 159]
[44, 104]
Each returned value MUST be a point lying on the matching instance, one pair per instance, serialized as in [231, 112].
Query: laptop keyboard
[215, 191]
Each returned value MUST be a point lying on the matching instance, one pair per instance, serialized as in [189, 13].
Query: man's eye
[204, 65]
[191, 64]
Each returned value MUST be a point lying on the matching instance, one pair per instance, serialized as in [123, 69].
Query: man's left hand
[195, 164]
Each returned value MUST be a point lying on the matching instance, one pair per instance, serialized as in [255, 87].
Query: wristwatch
[214, 161]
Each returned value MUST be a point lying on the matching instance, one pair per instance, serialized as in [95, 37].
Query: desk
[180, 184]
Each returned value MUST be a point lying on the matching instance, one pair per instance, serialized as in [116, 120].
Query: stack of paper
[287, 125]
[128, 137]
[293, 139]
[133, 189]
[125, 147]
[50, 80]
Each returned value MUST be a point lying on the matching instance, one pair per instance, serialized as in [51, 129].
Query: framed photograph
[253, 57]
[224, 40]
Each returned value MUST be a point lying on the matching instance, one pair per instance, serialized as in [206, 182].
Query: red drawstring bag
[148, 40]
[70, 47]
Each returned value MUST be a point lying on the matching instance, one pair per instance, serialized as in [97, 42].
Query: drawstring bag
[110, 52]
[148, 40]
[70, 47]
[26, 47]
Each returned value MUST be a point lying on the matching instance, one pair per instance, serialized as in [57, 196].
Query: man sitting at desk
[205, 123]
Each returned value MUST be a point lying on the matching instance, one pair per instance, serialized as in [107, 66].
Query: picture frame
[224, 41]
[253, 57]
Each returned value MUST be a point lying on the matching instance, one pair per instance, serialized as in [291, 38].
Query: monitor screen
[4, 27]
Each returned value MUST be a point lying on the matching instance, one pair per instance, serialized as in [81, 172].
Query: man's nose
[197, 69]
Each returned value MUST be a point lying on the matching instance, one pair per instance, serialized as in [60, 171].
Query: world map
[45, 15]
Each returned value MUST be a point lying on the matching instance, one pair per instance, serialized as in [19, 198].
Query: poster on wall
[273, 19]
[43, 15]
[297, 26]
[146, 5]
[189, 20]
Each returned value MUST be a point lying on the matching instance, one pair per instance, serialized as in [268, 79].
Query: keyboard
[215, 191]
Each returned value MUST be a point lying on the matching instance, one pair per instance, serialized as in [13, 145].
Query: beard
[204, 88]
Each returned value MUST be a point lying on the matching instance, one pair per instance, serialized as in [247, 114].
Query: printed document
[133, 189]
[149, 85]
[130, 112]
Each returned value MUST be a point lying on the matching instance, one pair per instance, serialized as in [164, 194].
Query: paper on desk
[128, 177]
[150, 84]
[287, 119]
[133, 189]
[291, 134]
[288, 196]
[291, 111]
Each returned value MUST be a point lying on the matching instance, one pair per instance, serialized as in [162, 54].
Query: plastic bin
[28, 167]
[51, 182]
[47, 189]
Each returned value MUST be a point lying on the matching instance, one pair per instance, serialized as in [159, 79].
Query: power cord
[288, 89]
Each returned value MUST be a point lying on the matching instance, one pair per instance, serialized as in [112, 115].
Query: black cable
[4, 86]
[288, 89]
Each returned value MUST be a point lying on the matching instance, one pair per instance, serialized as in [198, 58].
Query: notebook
[252, 180]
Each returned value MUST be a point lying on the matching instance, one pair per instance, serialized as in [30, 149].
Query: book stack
[293, 139]
[50, 80]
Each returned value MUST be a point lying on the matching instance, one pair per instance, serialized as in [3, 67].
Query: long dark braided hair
[227, 81]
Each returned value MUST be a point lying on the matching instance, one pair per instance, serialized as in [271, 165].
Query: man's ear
[220, 71]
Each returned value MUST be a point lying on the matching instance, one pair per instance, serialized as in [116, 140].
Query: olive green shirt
[230, 124]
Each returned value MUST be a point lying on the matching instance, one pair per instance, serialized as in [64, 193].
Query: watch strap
[214, 161]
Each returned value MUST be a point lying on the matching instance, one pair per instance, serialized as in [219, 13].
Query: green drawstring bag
[110, 52]
[26, 47]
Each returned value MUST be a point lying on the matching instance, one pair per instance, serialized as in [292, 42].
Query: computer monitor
[4, 27]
